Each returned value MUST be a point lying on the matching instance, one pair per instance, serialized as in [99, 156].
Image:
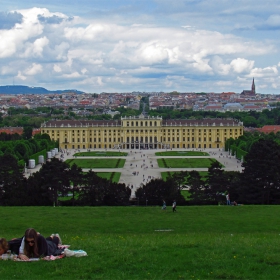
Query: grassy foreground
[214, 242]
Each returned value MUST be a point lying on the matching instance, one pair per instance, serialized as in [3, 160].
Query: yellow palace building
[142, 132]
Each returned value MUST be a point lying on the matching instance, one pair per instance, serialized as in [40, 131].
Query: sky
[141, 45]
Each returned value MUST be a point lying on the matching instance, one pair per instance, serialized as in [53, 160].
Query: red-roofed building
[11, 130]
[269, 128]
[36, 131]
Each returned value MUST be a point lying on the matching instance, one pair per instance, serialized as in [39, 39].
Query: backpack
[14, 245]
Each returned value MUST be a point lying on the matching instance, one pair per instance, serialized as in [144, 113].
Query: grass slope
[214, 242]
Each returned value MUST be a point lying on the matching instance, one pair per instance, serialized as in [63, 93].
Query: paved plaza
[141, 165]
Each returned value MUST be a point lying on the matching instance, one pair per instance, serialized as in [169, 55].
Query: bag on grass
[75, 253]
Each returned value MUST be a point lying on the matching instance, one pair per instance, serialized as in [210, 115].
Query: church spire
[253, 87]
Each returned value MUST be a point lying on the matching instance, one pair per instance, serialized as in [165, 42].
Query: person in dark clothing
[34, 245]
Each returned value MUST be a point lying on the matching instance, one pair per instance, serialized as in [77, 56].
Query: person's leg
[54, 239]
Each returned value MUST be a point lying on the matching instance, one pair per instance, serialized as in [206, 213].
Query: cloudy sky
[141, 45]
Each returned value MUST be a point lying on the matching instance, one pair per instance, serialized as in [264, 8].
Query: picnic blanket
[66, 253]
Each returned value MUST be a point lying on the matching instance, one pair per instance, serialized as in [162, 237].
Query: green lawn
[213, 242]
[113, 176]
[97, 163]
[181, 153]
[100, 154]
[185, 162]
[165, 175]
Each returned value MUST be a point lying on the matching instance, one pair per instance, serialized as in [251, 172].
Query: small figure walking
[163, 205]
[228, 199]
[174, 206]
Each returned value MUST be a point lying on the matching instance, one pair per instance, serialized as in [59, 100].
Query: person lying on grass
[34, 245]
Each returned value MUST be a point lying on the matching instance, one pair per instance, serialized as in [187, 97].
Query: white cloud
[72, 75]
[240, 65]
[33, 70]
[39, 45]
[57, 68]
[112, 53]
[20, 76]
[264, 72]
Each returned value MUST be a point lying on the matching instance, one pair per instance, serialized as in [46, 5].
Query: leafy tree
[116, 194]
[157, 190]
[11, 181]
[196, 187]
[94, 189]
[76, 177]
[216, 183]
[55, 179]
[261, 176]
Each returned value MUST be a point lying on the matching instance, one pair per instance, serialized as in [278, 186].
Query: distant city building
[251, 92]
[142, 133]
[11, 130]
[269, 128]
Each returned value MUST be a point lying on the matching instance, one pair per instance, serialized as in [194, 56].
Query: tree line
[22, 149]
[259, 183]
[53, 183]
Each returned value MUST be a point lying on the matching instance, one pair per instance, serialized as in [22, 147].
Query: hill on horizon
[18, 89]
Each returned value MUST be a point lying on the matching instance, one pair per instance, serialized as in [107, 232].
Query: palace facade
[142, 133]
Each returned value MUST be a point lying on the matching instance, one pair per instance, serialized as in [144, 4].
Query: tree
[55, 179]
[27, 132]
[11, 181]
[76, 177]
[93, 190]
[179, 178]
[116, 194]
[260, 181]
[157, 190]
[196, 187]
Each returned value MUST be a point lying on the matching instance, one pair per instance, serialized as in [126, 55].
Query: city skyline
[122, 46]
